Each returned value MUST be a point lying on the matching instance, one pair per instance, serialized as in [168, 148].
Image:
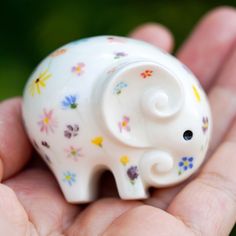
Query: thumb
[15, 148]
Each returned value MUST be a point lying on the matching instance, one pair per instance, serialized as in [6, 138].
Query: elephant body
[118, 104]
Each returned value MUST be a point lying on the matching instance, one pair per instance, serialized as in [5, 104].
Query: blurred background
[31, 29]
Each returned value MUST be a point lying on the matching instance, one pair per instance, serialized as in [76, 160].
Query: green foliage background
[30, 29]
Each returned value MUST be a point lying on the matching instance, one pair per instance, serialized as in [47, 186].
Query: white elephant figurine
[118, 104]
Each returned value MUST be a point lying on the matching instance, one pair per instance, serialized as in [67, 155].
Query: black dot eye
[188, 134]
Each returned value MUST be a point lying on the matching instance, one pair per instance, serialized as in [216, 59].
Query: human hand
[204, 205]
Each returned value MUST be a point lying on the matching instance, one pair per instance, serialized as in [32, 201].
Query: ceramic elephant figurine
[118, 104]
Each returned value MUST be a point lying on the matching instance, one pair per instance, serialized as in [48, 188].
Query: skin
[31, 203]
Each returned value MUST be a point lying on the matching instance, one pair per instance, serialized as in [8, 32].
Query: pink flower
[74, 153]
[124, 124]
[78, 69]
[47, 122]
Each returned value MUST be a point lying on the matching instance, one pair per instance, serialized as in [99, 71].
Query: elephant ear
[136, 94]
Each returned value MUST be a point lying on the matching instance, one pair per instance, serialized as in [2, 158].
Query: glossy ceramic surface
[118, 104]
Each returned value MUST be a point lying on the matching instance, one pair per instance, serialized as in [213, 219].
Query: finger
[206, 49]
[155, 34]
[221, 97]
[99, 215]
[223, 106]
[211, 197]
[146, 220]
[15, 149]
[13, 218]
[42, 199]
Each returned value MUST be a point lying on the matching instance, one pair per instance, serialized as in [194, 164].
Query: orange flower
[146, 74]
[58, 52]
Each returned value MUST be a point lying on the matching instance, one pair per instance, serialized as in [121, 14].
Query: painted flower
[36, 146]
[71, 131]
[58, 52]
[118, 55]
[132, 173]
[112, 39]
[112, 71]
[124, 124]
[146, 74]
[47, 122]
[39, 83]
[45, 144]
[47, 159]
[98, 141]
[69, 178]
[78, 69]
[196, 93]
[120, 87]
[124, 160]
[205, 124]
[185, 164]
[70, 102]
[74, 153]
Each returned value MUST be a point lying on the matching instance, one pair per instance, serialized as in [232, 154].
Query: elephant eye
[188, 134]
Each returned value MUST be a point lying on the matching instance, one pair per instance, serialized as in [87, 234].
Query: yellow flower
[196, 93]
[124, 160]
[39, 82]
[98, 141]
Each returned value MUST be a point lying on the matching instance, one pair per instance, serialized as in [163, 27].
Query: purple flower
[119, 55]
[47, 159]
[35, 144]
[205, 124]
[45, 144]
[71, 131]
[132, 173]
[78, 69]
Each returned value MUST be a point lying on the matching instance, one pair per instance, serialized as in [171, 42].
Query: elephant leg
[129, 183]
[77, 185]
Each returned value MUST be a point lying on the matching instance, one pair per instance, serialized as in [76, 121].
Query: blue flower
[70, 102]
[185, 164]
[119, 87]
[69, 178]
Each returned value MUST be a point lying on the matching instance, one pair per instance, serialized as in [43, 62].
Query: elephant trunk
[155, 168]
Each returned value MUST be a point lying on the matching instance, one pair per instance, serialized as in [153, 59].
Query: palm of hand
[37, 207]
